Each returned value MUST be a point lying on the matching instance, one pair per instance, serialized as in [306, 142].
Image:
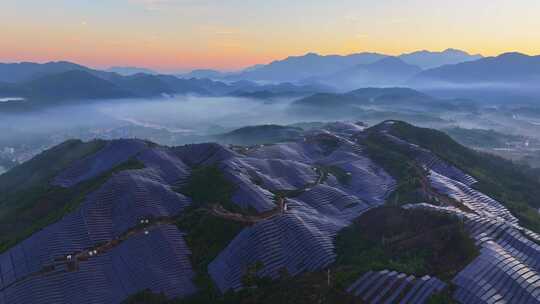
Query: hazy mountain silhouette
[44, 87]
[297, 68]
[364, 96]
[128, 71]
[77, 84]
[73, 84]
[262, 134]
[203, 73]
[10, 90]
[428, 60]
[307, 74]
[506, 69]
[389, 71]
[312, 65]
[25, 71]
[285, 89]
[357, 102]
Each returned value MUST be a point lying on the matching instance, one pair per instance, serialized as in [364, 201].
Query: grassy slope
[207, 185]
[394, 160]
[261, 134]
[23, 187]
[29, 202]
[206, 235]
[36, 173]
[307, 288]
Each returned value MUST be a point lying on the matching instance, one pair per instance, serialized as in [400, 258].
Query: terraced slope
[68, 261]
[95, 233]
[280, 208]
[507, 270]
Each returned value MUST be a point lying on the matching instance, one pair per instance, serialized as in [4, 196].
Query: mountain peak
[430, 59]
[513, 69]
[509, 55]
[455, 51]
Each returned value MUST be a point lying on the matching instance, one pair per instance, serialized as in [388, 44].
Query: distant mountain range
[358, 102]
[127, 71]
[311, 65]
[90, 84]
[203, 73]
[26, 71]
[508, 68]
[43, 84]
[389, 71]
[430, 60]
[367, 96]
[294, 76]
[298, 68]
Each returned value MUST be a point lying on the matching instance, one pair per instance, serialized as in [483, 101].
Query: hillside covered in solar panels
[337, 214]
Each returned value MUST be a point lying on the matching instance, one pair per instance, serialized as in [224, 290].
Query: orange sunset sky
[177, 35]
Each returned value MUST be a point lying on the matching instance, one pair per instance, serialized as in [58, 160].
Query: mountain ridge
[428, 59]
[322, 205]
[386, 72]
[510, 68]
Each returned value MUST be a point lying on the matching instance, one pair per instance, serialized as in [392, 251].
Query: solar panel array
[158, 261]
[280, 174]
[301, 238]
[388, 287]
[203, 154]
[298, 238]
[498, 275]
[473, 199]
[113, 154]
[508, 268]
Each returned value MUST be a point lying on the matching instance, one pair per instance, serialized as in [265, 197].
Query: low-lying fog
[184, 119]
[172, 121]
[199, 114]
[181, 114]
[10, 99]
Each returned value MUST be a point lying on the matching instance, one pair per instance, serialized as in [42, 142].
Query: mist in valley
[170, 121]
[182, 119]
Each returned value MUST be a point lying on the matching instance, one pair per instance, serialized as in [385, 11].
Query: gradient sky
[173, 35]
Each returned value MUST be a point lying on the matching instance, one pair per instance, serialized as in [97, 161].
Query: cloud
[225, 32]
[397, 21]
[153, 2]
[155, 5]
